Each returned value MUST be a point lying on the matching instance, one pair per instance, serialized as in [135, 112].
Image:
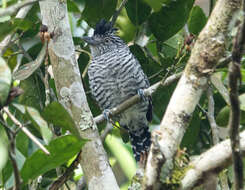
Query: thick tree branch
[14, 8]
[234, 122]
[71, 95]
[214, 160]
[208, 49]
[135, 99]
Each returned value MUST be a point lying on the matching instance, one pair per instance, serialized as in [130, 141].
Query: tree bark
[214, 160]
[71, 95]
[207, 51]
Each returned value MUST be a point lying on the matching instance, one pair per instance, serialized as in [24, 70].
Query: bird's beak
[89, 40]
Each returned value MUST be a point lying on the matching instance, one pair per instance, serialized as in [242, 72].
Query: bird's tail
[140, 140]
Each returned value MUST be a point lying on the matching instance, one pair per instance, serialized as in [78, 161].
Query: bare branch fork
[213, 160]
[25, 130]
[235, 77]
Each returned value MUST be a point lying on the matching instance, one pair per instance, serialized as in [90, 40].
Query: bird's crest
[103, 28]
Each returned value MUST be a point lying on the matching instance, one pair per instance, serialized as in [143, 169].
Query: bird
[116, 75]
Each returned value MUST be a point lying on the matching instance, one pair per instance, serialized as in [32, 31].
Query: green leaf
[12, 25]
[138, 11]
[191, 135]
[4, 154]
[197, 20]
[170, 19]
[10, 58]
[95, 10]
[5, 81]
[170, 47]
[222, 118]
[6, 28]
[55, 113]
[26, 70]
[118, 148]
[72, 7]
[22, 24]
[22, 143]
[39, 123]
[34, 94]
[61, 150]
[157, 4]
[242, 102]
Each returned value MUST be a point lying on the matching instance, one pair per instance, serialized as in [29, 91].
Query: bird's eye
[107, 40]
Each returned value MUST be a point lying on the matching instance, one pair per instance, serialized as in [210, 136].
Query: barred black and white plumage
[114, 76]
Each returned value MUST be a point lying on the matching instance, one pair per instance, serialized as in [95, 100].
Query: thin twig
[46, 79]
[211, 180]
[25, 130]
[66, 175]
[218, 84]
[149, 54]
[135, 99]
[12, 156]
[26, 55]
[235, 77]
[14, 8]
[90, 59]
[114, 17]
[210, 115]
[107, 130]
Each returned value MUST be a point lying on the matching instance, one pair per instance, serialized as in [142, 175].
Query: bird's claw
[141, 93]
[106, 114]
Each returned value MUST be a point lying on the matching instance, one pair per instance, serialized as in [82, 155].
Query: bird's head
[104, 38]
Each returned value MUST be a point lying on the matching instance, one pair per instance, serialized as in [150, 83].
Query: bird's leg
[106, 114]
[141, 93]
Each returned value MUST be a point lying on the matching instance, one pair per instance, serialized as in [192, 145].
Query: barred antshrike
[114, 76]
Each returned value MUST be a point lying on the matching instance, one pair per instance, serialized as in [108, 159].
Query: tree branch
[12, 156]
[210, 114]
[214, 160]
[14, 8]
[208, 49]
[135, 99]
[71, 95]
[66, 175]
[25, 130]
[114, 17]
[235, 77]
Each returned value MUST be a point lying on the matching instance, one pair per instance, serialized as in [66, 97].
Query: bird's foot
[143, 159]
[141, 93]
[106, 114]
